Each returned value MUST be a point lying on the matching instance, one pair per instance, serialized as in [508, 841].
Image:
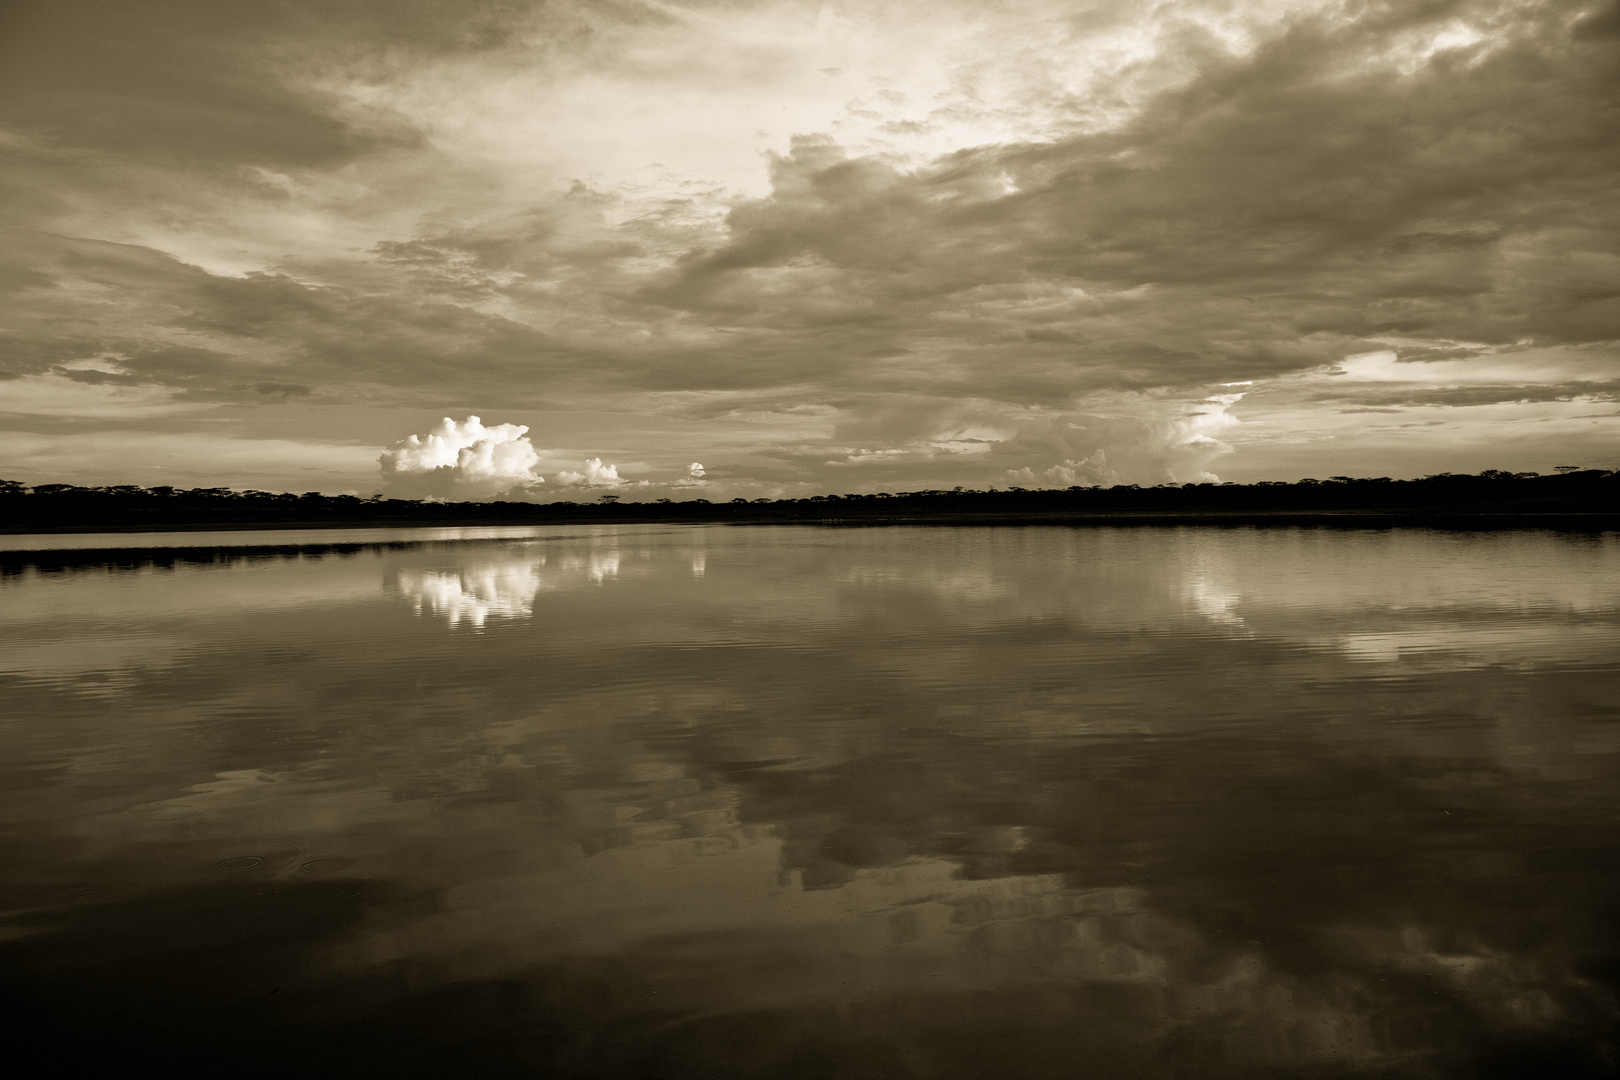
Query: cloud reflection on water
[1173, 802]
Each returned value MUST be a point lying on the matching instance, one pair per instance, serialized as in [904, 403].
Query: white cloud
[693, 478]
[1122, 439]
[1192, 444]
[463, 460]
[1088, 471]
[596, 474]
[1489, 366]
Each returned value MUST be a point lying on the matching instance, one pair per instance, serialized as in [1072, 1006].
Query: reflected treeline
[18, 563]
[192, 552]
[1569, 492]
[129, 559]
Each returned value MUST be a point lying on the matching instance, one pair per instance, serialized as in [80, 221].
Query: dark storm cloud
[31, 354]
[227, 338]
[1276, 211]
[1482, 395]
[365, 202]
[208, 79]
[1280, 209]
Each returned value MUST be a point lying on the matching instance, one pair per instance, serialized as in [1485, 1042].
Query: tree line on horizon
[1571, 489]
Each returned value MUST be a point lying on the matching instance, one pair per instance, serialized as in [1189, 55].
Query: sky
[717, 248]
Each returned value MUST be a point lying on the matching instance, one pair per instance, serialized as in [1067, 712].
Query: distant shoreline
[1584, 499]
[1597, 520]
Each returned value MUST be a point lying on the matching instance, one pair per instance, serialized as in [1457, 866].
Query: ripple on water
[323, 866]
[262, 855]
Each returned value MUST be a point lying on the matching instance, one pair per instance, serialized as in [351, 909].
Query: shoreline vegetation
[1569, 498]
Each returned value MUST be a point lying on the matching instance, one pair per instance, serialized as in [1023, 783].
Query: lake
[706, 801]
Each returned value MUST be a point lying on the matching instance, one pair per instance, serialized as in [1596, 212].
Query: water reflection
[804, 802]
[506, 582]
[475, 593]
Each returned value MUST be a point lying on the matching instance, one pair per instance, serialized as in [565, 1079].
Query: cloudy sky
[846, 246]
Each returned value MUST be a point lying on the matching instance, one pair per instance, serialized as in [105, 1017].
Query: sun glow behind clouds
[697, 93]
[1488, 366]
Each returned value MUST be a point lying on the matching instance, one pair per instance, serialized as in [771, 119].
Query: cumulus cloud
[469, 460]
[1139, 450]
[461, 460]
[594, 474]
[693, 478]
[1192, 444]
[1119, 438]
[1090, 471]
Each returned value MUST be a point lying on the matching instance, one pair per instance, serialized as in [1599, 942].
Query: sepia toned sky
[780, 248]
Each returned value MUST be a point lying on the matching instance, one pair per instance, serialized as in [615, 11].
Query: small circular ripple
[323, 866]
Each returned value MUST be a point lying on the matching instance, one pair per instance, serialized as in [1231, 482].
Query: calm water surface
[801, 802]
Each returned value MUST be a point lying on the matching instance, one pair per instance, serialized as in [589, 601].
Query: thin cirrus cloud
[853, 246]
